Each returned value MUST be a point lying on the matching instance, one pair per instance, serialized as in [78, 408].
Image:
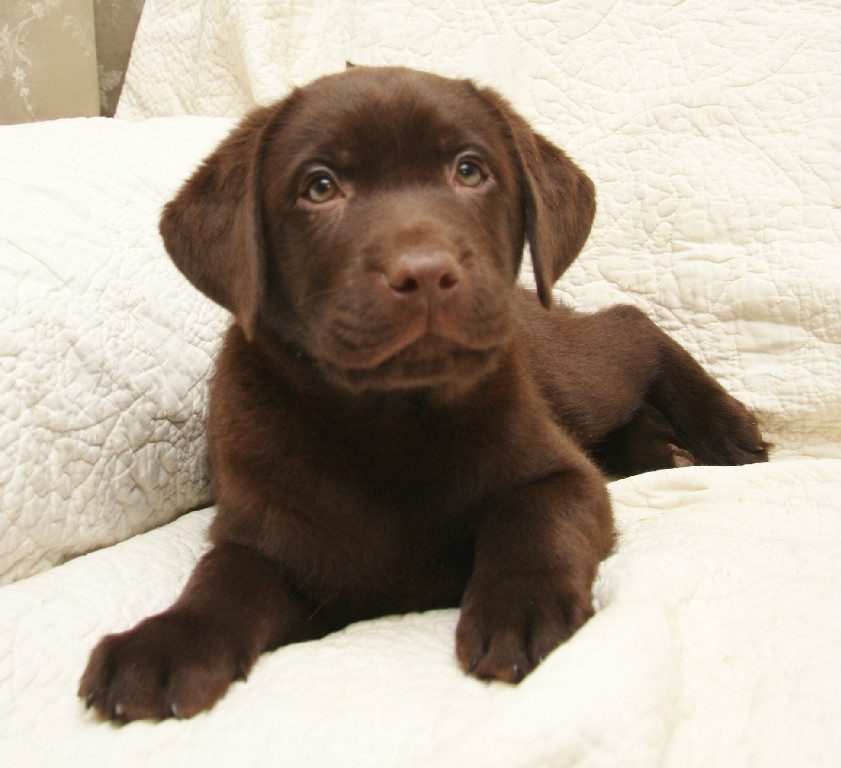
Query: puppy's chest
[380, 526]
[437, 469]
[399, 485]
[378, 508]
[423, 464]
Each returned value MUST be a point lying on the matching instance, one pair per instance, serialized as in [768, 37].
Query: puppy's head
[375, 219]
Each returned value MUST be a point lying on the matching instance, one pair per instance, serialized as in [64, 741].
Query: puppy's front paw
[170, 665]
[508, 626]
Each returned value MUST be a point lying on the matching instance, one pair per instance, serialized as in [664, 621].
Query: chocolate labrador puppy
[394, 425]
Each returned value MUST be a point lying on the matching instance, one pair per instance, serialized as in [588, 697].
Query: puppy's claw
[174, 711]
[680, 456]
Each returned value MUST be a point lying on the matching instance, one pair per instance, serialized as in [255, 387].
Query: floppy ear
[212, 228]
[559, 200]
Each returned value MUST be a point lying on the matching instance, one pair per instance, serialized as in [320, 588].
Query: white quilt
[716, 644]
[713, 133]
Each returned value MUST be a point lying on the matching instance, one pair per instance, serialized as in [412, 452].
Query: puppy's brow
[344, 158]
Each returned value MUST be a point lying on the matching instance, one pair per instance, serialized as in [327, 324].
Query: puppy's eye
[470, 173]
[321, 188]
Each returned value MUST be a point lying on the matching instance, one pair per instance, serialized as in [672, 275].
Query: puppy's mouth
[430, 361]
[422, 345]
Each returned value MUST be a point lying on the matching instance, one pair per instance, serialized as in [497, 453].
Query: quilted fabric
[710, 129]
[104, 348]
[716, 644]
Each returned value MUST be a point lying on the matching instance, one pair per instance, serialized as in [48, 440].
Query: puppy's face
[375, 220]
[393, 227]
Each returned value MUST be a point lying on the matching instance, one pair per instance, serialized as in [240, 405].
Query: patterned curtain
[63, 58]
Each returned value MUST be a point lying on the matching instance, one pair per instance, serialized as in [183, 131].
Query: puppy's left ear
[212, 230]
[559, 200]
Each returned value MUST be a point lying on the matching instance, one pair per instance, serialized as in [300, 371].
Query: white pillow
[105, 348]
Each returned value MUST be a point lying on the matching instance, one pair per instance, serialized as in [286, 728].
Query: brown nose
[435, 274]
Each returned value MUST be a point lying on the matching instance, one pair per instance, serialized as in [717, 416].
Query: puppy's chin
[430, 362]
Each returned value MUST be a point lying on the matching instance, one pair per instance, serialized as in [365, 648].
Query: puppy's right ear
[212, 228]
[559, 199]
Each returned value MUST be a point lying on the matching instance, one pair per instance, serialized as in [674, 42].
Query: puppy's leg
[235, 606]
[536, 557]
[645, 443]
[714, 426]
[609, 376]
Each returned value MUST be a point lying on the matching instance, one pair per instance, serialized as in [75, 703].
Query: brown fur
[394, 425]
